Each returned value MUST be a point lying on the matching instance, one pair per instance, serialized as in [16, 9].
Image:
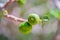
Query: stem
[7, 4]
[14, 18]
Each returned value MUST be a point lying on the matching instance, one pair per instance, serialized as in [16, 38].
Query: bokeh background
[9, 28]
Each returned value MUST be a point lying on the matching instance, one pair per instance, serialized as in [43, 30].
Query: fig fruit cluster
[33, 19]
[26, 27]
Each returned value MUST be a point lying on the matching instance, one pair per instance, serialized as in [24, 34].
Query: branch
[14, 18]
[9, 3]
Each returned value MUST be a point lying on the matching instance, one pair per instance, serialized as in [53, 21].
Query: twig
[14, 18]
[9, 3]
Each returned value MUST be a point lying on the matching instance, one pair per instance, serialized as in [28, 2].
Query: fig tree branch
[11, 17]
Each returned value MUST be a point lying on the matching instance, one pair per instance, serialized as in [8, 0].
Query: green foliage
[49, 36]
[39, 2]
[55, 13]
[25, 28]
[33, 19]
[27, 37]
[1, 14]
[2, 37]
[23, 10]
[48, 15]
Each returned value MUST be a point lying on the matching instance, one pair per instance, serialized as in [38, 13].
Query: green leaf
[55, 13]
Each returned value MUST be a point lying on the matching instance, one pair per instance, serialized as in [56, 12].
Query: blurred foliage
[2, 37]
[55, 13]
[47, 15]
[41, 37]
[1, 14]
[21, 2]
[27, 36]
[50, 36]
[39, 2]
[24, 36]
[23, 10]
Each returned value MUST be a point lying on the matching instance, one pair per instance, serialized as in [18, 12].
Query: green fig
[45, 18]
[33, 19]
[21, 2]
[25, 28]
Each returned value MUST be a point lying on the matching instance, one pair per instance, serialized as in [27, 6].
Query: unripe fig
[45, 18]
[21, 2]
[25, 28]
[33, 19]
